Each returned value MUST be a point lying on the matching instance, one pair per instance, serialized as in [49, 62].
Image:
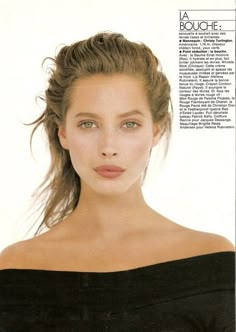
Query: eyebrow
[122, 115]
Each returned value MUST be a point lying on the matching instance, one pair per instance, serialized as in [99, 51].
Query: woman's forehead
[104, 80]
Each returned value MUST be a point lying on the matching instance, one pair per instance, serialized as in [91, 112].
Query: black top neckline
[157, 283]
[192, 293]
[141, 270]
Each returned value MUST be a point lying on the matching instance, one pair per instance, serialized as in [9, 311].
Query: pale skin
[112, 227]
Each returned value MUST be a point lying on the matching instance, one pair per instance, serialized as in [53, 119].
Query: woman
[109, 262]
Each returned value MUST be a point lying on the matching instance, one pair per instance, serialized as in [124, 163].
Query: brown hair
[105, 53]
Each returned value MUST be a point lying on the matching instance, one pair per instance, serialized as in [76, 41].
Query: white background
[193, 186]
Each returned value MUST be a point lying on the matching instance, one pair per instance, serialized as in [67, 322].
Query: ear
[156, 133]
[62, 137]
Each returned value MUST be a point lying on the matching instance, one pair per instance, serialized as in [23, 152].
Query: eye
[86, 124]
[131, 124]
[91, 124]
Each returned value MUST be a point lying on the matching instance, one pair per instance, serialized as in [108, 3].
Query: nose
[108, 145]
[109, 154]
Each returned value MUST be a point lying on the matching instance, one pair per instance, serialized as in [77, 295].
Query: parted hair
[107, 53]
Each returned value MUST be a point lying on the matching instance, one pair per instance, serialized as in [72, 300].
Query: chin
[112, 187]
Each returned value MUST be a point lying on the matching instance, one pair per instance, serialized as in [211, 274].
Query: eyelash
[84, 122]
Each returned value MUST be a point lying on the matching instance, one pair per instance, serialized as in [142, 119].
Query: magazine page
[194, 183]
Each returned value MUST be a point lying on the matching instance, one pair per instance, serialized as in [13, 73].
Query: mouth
[110, 174]
[109, 171]
[111, 168]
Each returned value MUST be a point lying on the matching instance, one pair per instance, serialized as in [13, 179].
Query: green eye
[90, 124]
[86, 124]
[131, 124]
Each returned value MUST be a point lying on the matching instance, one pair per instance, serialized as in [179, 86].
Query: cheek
[79, 148]
[139, 149]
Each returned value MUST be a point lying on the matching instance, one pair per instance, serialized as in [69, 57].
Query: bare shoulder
[209, 242]
[15, 255]
[194, 241]
[219, 242]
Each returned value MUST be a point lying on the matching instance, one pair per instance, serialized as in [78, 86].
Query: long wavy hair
[106, 53]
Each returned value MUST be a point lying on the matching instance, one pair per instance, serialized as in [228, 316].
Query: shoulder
[209, 242]
[222, 243]
[15, 255]
[192, 240]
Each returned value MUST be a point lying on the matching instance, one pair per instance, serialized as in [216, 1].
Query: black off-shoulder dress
[184, 295]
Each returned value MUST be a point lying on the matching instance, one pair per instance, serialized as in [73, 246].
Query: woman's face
[108, 125]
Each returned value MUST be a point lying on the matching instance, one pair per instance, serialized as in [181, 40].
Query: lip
[109, 171]
[111, 168]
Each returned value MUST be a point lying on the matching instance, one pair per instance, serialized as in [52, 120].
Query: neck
[107, 216]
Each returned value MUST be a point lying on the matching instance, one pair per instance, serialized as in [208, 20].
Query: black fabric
[185, 295]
